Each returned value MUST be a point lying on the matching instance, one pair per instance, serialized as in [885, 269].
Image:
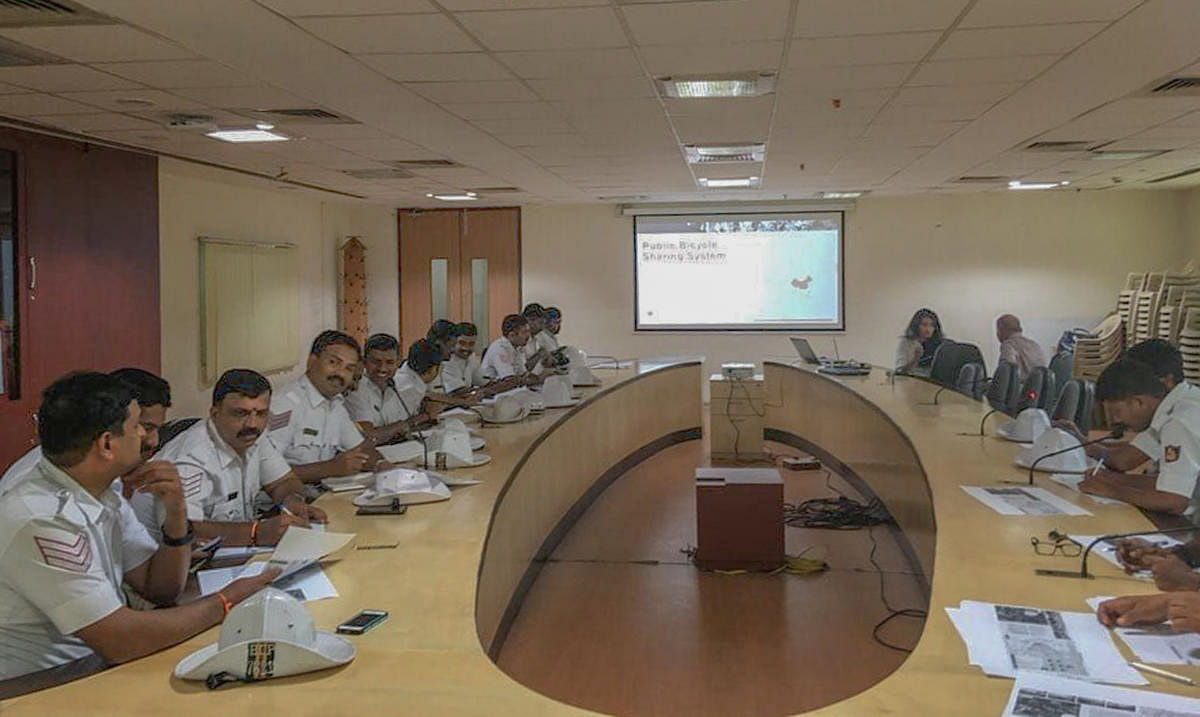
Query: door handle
[32, 273]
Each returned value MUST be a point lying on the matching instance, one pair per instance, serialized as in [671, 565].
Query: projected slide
[762, 271]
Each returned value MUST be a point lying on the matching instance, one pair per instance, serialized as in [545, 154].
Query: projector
[738, 371]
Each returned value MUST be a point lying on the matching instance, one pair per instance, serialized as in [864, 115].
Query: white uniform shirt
[502, 360]
[460, 372]
[63, 556]
[1149, 441]
[1176, 424]
[21, 467]
[546, 340]
[218, 484]
[308, 428]
[379, 407]
[411, 388]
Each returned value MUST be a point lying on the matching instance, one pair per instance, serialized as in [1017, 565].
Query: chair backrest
[1061, 366]
[173, 428]
[970, 380]
[1087, 406]
[1038, 390]
[1004, 390]
[1067, 405]
[949, 358]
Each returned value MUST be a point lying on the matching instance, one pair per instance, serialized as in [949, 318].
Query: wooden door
[480, 247]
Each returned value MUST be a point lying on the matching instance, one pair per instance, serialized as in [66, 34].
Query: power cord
[893, 613]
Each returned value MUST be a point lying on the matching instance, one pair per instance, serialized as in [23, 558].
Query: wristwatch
[188, 538]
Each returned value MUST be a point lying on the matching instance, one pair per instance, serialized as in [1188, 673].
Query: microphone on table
[1083, 571]
[1117, 431]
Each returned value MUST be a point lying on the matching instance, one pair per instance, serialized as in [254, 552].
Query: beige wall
[195, 201]
[1056, 259]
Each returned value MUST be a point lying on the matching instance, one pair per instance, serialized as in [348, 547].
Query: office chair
[972, 378]
[1038, 391]
[948, 360]
[1061, 366]
[1076, 402]
[1003, 392]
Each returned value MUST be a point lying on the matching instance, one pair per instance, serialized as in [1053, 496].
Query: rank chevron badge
[75, 555]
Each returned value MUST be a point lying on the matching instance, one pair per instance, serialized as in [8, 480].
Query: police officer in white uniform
[1133, 396]
[309, 423]
[463, 371]
[547, 338]
[224, 463]
[68, 540]
[377, 405]
[506, 356]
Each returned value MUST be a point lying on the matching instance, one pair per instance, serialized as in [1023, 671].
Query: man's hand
[160, 479]
[433, 409]
[1095, 485]
[1134, 554]
[242, 588]
[299, 507]
[1134, 610]
[355, 460]
[271, 530]
[1172, 574]
[1183, 610]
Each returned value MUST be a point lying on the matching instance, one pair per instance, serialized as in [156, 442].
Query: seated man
[376, 405]
[537, 358]
[1132, 395]
[547, 338]
[415, 378]
[1181, 609]
[309, 423]
[463, 371]
[223, 463]
[441, 334]
[1167, 364]
[1016, 348]
[68, 540]
[506, 357]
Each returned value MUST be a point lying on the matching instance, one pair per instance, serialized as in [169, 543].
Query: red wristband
[225, 604]
[254, 532]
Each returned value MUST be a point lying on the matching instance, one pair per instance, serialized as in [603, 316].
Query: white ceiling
[556, 97]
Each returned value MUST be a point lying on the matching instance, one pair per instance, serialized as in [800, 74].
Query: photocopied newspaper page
[1006, 639]
[1051, 696]
[1157, 644]
[1023, 500]
[1108, 549]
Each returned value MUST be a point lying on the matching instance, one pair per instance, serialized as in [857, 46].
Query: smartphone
[362, 622]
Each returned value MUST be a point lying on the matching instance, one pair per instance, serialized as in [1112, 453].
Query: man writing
[68, 540]
[224, 462]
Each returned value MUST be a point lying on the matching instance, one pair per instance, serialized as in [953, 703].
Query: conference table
[459, 570]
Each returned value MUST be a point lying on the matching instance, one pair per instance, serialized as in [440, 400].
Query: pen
[1099, 467]
[1164, 673]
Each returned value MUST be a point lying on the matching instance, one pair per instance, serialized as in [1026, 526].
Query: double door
[459, 265]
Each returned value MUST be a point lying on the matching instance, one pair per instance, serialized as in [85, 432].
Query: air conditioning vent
[378, 173]
[981, 179]
[425, 163]
[38, 13]
[1069, 146]
[494, 190]
[1179, 85]
[298, 115]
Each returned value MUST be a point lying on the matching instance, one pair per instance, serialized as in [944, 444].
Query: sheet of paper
[1050, 696]
[1108, 549]
[214, 580]
[240, 553]
[1072, 481]
[1157, 643]
[1023, 500]
[304, 544]
[347, 483]
[1006, 639]
[311, 583]
[305, 580]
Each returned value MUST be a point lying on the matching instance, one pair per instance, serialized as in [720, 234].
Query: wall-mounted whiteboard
[248, 307]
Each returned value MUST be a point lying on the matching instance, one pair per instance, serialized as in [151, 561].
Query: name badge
[232, 495]
[311, 432]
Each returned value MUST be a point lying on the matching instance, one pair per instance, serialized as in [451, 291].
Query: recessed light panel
[247, 135]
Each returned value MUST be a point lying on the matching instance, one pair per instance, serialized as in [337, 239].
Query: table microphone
[1083, 571]
[1117, 431]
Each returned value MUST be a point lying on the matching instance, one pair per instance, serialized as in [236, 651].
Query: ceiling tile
[987, 13]
[332, 131]
[39, 104]
[1013, 41]
[174, 74]
[829, 18]
[472, 91]
[597, 89]
[710, 21]
[300, 8]
[990, 92]
[256, 97]
[712, 58]
[901, 113]
[452, 67]
[970, 72]
[461, 5]
[390, 33]
[381, 149]
[62, 78]
[559, 29]
[914, 134]
[498, 110]
[104, 121]
[97, 43]
[834, 79]
[109, 100]
[872, 50]
[572, 63]
[545, 123]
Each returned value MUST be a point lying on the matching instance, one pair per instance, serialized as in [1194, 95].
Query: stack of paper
[1023, 500]
[1157, 643]
[1048, 695]
[300, 548]
[1006, 639]
[1108, 549]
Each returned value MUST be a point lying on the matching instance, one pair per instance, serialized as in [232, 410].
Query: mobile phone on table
[362, 622]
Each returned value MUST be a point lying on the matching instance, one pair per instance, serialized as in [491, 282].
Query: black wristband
[188, 538]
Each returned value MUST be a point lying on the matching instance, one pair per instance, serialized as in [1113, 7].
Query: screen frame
[840, 327]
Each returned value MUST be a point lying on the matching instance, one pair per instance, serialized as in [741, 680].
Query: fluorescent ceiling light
[728, 183]
[247, 135]
[750, 84]
[1017, 184]
[1125, 155]
[708, 153]
[841, 195]
[463, 197]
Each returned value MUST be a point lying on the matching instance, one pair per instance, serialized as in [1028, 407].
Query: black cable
[893, 613]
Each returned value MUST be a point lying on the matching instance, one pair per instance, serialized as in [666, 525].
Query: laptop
[824, 365]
